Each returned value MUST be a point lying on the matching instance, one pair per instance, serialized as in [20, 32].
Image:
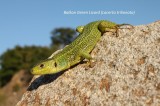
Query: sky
[29, 22]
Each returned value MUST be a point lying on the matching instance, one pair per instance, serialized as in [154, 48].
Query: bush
[21, 58]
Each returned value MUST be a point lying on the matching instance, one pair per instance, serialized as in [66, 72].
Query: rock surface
[126, 72]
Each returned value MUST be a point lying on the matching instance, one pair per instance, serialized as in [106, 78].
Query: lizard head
[45, 67]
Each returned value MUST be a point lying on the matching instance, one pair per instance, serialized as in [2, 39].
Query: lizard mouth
[32, 71]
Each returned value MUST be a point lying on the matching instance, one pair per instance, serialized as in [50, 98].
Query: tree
[25, 57]
[19, 58]
[62, 36]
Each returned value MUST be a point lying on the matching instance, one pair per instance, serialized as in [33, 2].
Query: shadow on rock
[44, 79]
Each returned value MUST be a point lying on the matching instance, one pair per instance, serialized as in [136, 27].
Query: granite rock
[126, 71]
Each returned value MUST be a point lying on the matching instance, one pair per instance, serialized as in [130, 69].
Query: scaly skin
[78, 50]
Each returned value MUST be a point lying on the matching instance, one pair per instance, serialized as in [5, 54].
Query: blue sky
[29, 22]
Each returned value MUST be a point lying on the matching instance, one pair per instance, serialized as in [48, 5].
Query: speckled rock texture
[126, 73]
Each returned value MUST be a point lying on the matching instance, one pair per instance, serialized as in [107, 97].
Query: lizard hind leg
[118, 26]
[107, 26]
[80, 29]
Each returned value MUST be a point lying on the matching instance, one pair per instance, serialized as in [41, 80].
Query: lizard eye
[55, 64]
[41, 65]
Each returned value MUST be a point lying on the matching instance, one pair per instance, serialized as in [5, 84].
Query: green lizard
[78, 50]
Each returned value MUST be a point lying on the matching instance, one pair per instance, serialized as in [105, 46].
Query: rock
[126, 72]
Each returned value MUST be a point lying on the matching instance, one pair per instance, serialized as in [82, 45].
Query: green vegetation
[62, 36]
[25, 57]
[20, 58]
